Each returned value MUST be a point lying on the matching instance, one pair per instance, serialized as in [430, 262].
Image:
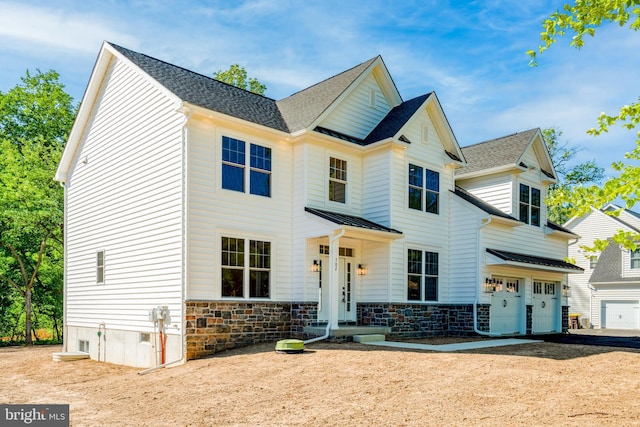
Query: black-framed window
[530, 202]
[234, 161]
[422, 275]
[246, 268]
[424, 184]
[337, 180]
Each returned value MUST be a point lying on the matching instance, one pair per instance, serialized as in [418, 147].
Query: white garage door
[621, 314]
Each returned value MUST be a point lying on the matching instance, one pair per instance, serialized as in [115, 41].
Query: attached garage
[620, 315]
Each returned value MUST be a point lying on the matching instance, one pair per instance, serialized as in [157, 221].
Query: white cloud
[50, 28]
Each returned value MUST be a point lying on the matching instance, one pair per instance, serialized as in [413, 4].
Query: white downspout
[478, 281]
[65, 331]
[332, 308]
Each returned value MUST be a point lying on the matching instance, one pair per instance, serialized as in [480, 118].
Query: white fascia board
[214, 115]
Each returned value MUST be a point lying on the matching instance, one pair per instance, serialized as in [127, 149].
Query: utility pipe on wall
[478, 281]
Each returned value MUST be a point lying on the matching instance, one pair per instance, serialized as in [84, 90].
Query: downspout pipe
[327, 330]
[478, 281]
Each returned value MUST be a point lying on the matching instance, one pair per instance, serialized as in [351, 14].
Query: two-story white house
[200, 216]
[607, 293]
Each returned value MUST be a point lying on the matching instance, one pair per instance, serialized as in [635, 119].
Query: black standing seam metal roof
[350, 220]
[531, 259]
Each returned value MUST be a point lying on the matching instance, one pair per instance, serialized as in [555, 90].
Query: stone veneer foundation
[214, 326]
[423, 320]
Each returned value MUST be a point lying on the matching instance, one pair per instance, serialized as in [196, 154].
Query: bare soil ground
[345, 384]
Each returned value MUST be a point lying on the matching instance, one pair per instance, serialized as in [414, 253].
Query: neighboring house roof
[609, 266]
[208, 92]
[301, 109]
[534, 260]
[571, 223]
[350, 220]
[504, 152]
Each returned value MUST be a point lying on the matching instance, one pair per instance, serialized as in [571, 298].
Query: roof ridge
[501, 137]
[119, 48]
[369, 61]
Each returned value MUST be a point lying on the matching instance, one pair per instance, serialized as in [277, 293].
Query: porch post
[334, 278]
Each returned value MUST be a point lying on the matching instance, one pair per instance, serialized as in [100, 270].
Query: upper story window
[100, 267]
[635, 259]
[234, 171]
[337, 180]
[246, 268]
[422, 279]
[530, 205]
[427, 182]
[593, 260]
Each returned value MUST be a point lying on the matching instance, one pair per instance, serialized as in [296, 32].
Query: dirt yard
[341, 385]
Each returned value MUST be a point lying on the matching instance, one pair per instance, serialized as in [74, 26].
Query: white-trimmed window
[422, 275]
[246, 268]
[424, 189]
[530, 205]
[337, 180]
[100, 267]
[234, 171]
[593, 260]
[635, 259]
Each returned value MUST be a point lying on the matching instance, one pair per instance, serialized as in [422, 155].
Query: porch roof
[531, 261]
[350, 220]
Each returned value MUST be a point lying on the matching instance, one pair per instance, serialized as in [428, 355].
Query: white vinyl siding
[355, 116]
[136, 170]
[214, 212]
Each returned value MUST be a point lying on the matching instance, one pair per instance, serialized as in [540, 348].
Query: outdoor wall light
[316, 266]
[361, 270]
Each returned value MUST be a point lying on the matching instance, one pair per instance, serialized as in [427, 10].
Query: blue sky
[471, 53]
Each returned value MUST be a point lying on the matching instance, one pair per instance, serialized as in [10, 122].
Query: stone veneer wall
[423, 320]
[565, 319]
[214, 326]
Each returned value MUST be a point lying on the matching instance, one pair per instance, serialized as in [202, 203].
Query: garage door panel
[620, 314]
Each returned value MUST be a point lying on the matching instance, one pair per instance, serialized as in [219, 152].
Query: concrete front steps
[368, 338]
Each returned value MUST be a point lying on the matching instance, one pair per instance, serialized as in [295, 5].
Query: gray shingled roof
[209, 93]
[395, 119]
[496, 152]
[609, 266]
[531, 259]
[302, 108]
[290, 114]
[350, 220]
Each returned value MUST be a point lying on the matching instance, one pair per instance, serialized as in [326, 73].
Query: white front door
[506, 306]
[545, 314]
[346, 290]
[346, 312]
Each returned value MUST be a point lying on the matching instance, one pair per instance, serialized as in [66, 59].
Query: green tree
[559, 209]
[35, 118]
[581, 18]
[237, 76]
